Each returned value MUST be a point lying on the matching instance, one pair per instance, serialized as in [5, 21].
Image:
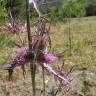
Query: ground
[82, 57]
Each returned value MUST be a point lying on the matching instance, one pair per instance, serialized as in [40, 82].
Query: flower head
[14, 27]
[22, 52]
[11, 28]
[50, 58]
[22, 28]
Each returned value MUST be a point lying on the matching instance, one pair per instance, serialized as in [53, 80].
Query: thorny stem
[32, 66]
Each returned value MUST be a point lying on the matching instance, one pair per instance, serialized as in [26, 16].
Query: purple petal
[50, 58]
[22, 51]
[22, 28]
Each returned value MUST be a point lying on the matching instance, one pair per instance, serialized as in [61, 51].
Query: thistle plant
[38, 52]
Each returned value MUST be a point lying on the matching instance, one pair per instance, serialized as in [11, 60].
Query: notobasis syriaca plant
[39, 50]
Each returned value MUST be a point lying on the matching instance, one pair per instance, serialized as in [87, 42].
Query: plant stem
[32, 65]
[70, 41]
[43, 81]
[21, 41]
[70, 35]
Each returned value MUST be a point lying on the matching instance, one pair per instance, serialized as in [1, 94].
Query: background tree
[3, 11]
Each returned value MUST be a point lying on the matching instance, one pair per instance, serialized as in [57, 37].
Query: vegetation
[71, 43]
[83, 55]
[57, 10]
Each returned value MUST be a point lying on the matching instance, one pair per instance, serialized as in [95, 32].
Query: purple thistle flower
[10, 27]
[22, 28]
[22, 52]
[14, 27]
[19, 60]
[50, 58]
